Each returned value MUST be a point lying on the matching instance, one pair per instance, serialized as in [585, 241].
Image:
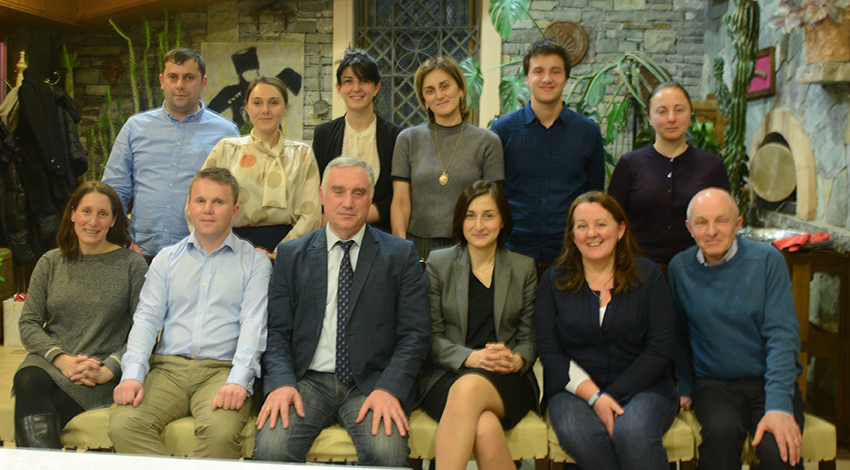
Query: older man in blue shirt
[157, 152]
[206, 298]
[552, 155]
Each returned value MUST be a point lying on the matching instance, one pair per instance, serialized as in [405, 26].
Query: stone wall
[227, 21]
[670, 31]
[822, 109]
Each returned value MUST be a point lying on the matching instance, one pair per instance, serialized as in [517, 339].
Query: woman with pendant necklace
[434, 162]
[604, 326]
[478, 379]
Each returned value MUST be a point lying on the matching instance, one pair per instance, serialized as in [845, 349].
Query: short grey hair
[726, 193]
[348, 162]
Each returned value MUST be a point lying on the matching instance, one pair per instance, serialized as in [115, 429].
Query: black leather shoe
[41, 431]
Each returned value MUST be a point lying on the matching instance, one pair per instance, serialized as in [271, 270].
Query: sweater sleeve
[494, 159]
[34, 314]
[683, 357]
[620, 183]
[556, 361]
[781, 332]
[137, 267]
[650, 364]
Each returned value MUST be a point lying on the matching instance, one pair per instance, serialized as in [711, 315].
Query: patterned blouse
[277, 184]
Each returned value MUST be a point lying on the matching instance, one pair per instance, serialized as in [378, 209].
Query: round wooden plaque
[571, 36]
[773, 172]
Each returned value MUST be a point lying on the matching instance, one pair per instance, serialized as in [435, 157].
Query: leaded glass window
[401, 34]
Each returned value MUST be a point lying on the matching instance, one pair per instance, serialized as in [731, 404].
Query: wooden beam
[22, 13]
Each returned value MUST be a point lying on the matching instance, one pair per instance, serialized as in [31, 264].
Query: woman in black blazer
[478, 379]
[361, 133]
[604, 324]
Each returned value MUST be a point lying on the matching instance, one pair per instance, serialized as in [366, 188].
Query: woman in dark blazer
[478, 378]
[361, 133]
[604, 324]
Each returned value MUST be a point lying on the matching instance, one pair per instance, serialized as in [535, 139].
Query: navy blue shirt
[545, 170]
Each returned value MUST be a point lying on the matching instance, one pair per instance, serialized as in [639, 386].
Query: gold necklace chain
[484, 269]
[443, 177]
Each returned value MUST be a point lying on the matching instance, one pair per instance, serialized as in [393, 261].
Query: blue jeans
[637, 433]
[327, 401]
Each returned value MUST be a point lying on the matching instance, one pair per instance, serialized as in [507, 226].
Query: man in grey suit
[348, 330]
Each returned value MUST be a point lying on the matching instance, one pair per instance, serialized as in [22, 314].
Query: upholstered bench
[526, 441]
[678, 440]
[86, 431]
[819, 440]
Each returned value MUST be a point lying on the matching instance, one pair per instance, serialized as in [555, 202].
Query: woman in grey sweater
[76, 318]
[435, 161]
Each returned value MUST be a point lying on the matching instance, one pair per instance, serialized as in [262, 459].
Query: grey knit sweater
[82, 307]
[478, 156]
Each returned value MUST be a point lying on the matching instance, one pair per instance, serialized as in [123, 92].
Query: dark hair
[570, 269]
[477, 189]
[179, 56]
[363, 66]
[66, 237]
[448, 65]
[219, 175]
[547, 47]
[663, 86]
[273, 81]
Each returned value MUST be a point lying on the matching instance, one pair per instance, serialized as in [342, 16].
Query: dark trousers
[727, 411]
[35, 393]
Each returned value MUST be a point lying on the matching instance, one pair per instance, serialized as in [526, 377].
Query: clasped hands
[495, 357]
[83, 370]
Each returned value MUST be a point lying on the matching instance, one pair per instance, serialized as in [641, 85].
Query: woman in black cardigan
[604, 326]
[361, 133]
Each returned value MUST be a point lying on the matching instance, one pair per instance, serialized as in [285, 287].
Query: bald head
[713, 194]
[713, 221]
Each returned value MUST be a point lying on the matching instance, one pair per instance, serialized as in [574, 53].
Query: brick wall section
[670, 31]
[311, 18]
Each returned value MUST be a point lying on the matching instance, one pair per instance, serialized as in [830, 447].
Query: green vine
[743, 27]
[146, 76]
[131, 59]
[69, 61]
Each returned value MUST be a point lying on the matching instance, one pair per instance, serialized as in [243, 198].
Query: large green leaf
[513, 93]
[595, 92]
[503, 13]
[474, 80]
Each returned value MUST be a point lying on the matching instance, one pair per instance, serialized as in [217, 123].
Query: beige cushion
[86, 431]
[7, 421]
[526, 441]
[678, 441]
[819, 438]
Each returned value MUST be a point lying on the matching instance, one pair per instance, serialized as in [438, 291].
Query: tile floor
[11, 357]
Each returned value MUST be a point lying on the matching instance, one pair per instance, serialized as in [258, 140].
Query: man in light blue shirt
[157, 152]
[206, 298]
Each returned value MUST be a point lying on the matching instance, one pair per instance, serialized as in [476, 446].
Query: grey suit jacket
[515, 290]
[388, 329]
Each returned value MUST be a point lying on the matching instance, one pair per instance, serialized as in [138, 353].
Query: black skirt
[517, 394]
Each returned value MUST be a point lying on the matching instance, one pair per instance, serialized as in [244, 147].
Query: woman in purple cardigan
[654, 184]
[604, 326]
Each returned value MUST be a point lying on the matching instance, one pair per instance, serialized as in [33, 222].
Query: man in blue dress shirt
[552, 155]
[206, 298]
[157, 152]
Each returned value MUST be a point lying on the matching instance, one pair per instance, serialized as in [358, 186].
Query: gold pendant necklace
[444, 178]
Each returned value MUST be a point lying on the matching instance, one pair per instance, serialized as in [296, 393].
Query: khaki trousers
[176, 387]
